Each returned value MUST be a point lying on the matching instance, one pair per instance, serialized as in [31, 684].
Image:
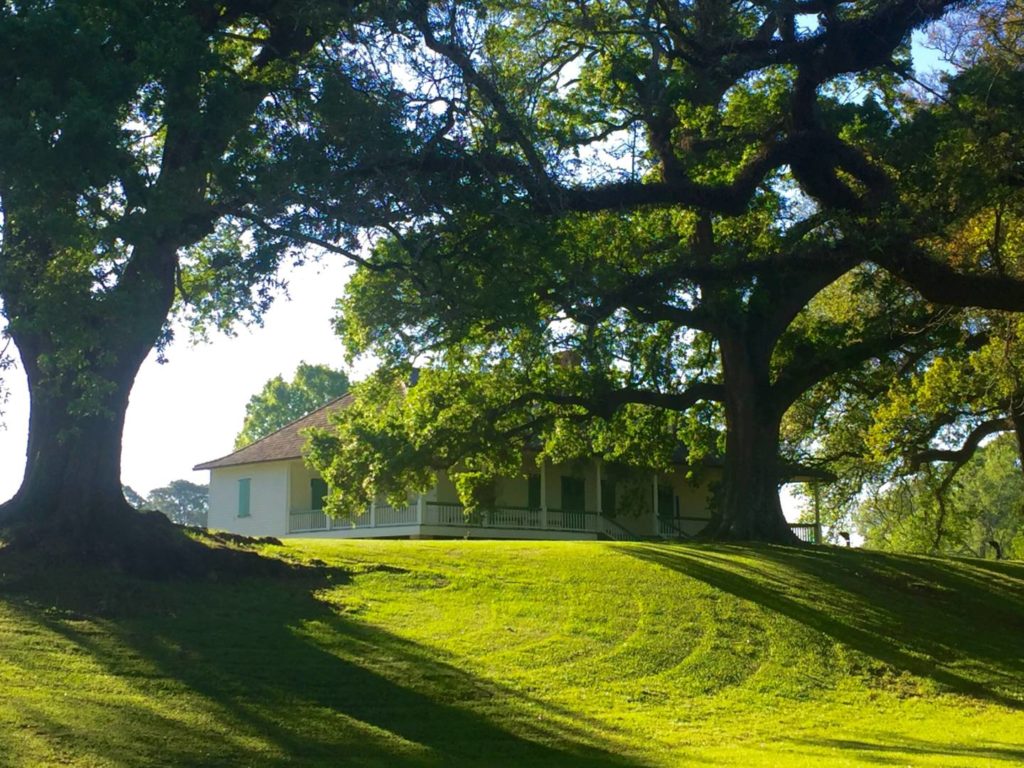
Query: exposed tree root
[144, 544]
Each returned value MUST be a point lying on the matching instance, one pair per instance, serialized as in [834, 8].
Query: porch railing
[806, 532]
[385, 515]
[308, 520]
[524, 518]
[517, 518]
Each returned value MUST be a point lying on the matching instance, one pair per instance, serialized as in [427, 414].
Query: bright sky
[190, 409]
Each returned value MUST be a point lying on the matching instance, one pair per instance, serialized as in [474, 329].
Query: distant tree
[184, 502]
[133, 497]
[925, 513]
[281, 402]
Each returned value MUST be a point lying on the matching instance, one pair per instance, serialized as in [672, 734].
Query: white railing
[303, 520]
[444, 514]
[308, 520]
[512, 517]
[806, 532]
[385, 515]
[522, 518]
[519, 518]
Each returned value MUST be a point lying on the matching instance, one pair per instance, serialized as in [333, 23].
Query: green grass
[522, 654]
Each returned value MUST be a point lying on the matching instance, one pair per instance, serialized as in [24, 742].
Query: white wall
[268, 499]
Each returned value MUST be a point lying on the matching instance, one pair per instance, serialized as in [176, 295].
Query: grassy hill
[521, 654]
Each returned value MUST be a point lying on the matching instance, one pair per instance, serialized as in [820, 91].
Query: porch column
[597, 475]
[420, 508]
[543, 494]
[373, 513]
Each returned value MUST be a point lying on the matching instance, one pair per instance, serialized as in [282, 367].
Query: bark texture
[749, 508]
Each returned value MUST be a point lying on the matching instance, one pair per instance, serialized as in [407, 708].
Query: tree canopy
[618, 223]
[184, 502]
[280, 402]
[978, 514]
[681, 188]
[153, 156]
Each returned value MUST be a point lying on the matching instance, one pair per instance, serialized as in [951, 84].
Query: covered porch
[423, 519]
[577, 500]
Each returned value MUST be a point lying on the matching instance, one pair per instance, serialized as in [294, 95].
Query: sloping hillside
[515, 654]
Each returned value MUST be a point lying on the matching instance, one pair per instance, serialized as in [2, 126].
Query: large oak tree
[151, 154]
[740, 180]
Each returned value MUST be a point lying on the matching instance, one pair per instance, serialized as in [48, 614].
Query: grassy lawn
[522, 654]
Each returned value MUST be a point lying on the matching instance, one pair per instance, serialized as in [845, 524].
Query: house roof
[285, 443]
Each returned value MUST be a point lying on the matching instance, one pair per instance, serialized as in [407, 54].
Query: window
[243, 496]
[533, 492]
[317, 493]
[572, 494]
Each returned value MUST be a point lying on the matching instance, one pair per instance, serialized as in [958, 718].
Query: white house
[266, 489]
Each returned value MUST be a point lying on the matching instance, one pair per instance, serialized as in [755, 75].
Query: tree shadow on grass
[283, 679]
[894, 749]
[951, 621]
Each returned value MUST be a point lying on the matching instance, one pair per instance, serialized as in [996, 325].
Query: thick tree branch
[605, 404]
[940, 283]
[960, 456]
[812, 366]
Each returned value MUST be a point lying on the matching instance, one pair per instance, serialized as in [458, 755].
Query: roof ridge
[270, 435]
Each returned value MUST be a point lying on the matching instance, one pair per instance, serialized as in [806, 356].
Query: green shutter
[243, 496]
[317, 493]
[533, 492]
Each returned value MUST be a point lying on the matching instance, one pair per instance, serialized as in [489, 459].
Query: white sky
[190, 409]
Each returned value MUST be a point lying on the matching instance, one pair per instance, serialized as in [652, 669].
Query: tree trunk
[1017, 417]
[80, 373]
[73, 463]
[70, 501]
[748, 506]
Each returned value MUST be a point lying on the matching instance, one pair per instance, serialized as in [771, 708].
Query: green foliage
[927, 405]
[133, 497]
[477, 418]
[636, 217]
[184, 502]
[150, 164]
[984, 505]
[281, 402]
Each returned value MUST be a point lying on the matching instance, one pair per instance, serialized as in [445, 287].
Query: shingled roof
[285, 443]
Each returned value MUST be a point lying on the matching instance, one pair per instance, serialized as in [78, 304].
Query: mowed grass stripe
[515, 653]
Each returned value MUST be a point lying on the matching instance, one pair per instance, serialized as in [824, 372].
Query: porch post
[373, 512]
[543, 494]
[597, 507]
[420, 504]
